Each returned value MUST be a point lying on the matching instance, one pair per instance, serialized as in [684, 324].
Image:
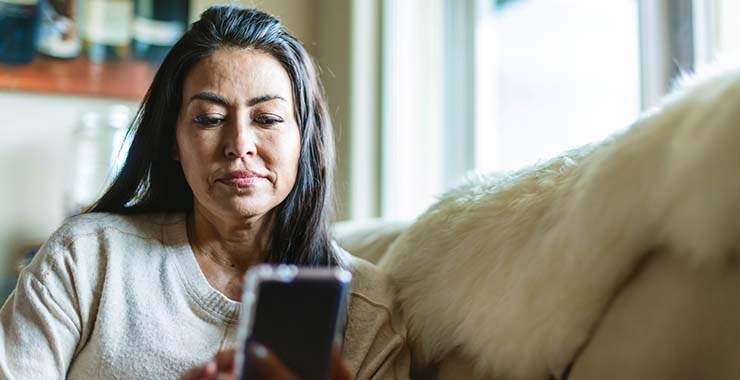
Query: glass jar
[99, 150]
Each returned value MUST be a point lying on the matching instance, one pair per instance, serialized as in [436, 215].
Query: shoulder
[143, 225]
[372, 300]
[90, 238]
[369, 284]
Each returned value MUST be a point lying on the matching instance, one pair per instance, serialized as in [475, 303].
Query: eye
[208, 121]
[268, 120]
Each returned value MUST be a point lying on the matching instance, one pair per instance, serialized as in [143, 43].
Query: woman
[230, 165]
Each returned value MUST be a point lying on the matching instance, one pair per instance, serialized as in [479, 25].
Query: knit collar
[211, 301]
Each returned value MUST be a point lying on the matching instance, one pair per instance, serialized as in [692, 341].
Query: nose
[241, 141]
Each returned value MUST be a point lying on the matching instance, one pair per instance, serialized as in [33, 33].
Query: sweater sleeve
[39, 323]
[378, 338]
[375, 344]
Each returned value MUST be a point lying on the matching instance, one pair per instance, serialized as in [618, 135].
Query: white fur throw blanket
[515, 271]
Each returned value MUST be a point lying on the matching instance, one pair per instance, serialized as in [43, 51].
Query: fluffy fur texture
[514, 271]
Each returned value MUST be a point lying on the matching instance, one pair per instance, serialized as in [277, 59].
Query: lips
[242, 179]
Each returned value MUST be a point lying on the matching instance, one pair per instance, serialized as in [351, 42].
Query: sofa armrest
[368, 239]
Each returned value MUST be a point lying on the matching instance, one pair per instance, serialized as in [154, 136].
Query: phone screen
[298, 321]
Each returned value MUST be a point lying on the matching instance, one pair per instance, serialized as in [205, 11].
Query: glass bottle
[158, 24]
[19, 25]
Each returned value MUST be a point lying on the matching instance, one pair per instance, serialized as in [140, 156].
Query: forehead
[238, 74]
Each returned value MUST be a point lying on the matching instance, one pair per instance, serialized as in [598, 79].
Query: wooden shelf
[126, 79]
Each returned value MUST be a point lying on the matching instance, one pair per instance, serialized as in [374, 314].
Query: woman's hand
[222, 366]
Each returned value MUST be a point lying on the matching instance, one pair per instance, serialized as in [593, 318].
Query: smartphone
[297, 313]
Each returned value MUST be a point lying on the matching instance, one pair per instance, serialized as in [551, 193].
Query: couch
[617, 260]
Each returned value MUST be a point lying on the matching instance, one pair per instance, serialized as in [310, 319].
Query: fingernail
[258, 350]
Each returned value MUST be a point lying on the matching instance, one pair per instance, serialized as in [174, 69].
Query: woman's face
[237, 136]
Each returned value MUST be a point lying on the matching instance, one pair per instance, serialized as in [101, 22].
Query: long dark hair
[152, 181]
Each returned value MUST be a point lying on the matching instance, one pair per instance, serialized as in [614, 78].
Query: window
[717, 33]
[413, 106]
[496, 85]
[553, 75]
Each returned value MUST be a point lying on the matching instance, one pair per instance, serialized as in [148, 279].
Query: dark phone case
[298, 320]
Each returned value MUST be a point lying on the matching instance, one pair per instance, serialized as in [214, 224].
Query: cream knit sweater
[122, 297]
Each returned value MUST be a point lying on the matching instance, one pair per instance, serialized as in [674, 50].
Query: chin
[241, 206]
[249, 211]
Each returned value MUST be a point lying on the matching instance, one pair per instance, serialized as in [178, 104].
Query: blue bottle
[19, 25]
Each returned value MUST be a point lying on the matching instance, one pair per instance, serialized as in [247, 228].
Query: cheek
[292, 153]
[197, 146]
[283, 156]
[192, 152]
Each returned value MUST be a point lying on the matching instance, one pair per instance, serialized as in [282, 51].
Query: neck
[225, 248]
[233, 244]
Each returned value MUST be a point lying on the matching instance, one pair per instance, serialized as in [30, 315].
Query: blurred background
[422, 92]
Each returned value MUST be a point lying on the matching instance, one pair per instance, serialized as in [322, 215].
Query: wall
[34, 154]
[331, 49]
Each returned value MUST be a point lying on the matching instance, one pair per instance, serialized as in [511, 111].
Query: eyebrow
[264, 98]
[211, 97]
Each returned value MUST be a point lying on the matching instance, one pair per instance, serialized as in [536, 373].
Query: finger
[205, 371]
[339, 369]
[267, 364]
[226, 360]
